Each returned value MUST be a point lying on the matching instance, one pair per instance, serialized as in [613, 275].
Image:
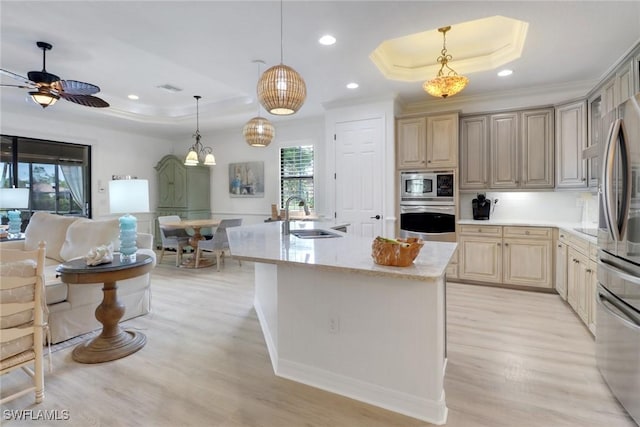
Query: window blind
[296, 175]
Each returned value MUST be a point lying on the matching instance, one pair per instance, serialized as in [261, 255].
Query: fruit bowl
[395, 252]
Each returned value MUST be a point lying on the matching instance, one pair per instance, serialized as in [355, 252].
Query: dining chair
[22, 317]
[173, 239]
[219, 243]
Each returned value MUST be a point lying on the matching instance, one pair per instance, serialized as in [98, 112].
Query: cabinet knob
[499, 244]
[428, 161]
[506, 244]
[562, 235]
[584, 179]
[559, 246]
[589, 270]
[479, 230]
[527, 232]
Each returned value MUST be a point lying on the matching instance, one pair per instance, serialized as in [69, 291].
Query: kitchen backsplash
[561, 206]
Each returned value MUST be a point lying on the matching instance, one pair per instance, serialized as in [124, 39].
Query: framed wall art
[246, 179]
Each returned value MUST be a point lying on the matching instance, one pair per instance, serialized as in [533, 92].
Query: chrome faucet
[285, 225]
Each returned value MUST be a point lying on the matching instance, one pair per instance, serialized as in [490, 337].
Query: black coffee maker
[481, 207]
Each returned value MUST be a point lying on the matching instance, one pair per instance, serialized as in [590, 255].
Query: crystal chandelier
[199, 153]
[258, 132]
[445, 83]
[281, 90]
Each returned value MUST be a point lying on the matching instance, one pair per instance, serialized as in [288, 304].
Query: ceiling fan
[49, 87]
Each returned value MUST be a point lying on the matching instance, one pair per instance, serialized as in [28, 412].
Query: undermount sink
[314, 234]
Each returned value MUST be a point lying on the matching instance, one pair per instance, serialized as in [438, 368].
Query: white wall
[113, 152]
[229, 146]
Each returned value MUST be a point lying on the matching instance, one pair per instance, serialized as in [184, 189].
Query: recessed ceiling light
[134, 97]
[505, 73]
[352, 85]
[327, 40]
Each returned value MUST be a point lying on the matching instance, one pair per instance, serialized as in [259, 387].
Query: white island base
[375, 338]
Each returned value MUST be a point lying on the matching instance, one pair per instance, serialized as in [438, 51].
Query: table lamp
[14, 198]
[127, 196]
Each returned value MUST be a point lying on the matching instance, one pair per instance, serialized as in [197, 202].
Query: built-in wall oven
[427, 205]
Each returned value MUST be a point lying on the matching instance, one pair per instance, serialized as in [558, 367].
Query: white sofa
[72, 307]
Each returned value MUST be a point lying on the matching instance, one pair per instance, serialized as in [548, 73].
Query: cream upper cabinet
[427, 142]
[442, 141]
[504, 150]
[474, 152]
[571, 140]
[536, 154]
[411, 143]
[512, 150]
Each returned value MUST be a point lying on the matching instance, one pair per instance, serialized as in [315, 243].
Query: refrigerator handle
[625, 206]
[607, 181]
[602, 301]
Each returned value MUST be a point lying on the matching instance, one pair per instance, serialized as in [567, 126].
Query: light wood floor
[514, 359]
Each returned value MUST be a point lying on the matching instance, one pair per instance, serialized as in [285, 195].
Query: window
[56, 173]
[296, 175]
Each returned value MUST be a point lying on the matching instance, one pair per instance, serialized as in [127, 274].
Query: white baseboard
[433, 411]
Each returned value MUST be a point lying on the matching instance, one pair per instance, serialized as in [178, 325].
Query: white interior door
[359, 173]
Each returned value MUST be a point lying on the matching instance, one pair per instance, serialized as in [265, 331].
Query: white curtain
[73, 176]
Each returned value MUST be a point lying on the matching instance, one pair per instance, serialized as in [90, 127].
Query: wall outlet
[334, 325]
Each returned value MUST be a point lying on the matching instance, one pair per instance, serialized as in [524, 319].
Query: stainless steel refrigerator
[618, 292]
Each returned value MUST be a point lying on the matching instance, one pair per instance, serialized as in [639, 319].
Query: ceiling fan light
[281, 90]
[258, 132]
[192, 158]
[44, 98]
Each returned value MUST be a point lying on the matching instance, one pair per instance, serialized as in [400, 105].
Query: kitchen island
[333, 319]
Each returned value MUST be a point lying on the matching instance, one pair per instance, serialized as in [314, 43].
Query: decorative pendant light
[258, 132]
[444, 85]
[281, 90]
[197, 150]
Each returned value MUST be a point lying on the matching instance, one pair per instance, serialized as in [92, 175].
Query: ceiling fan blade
[18, 86]
[86, 100]
[28, 83]
[73, 87]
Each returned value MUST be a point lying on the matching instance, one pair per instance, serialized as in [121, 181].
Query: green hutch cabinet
[182, 190]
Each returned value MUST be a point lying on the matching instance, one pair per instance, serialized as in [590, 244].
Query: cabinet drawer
[581, 245]
[563, 236]
[528, 232]
[481, 230]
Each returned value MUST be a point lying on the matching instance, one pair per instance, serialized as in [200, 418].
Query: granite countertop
[266, 243]
[569, 227]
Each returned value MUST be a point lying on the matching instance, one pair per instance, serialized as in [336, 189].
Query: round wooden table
[196, 225]
[114, 342]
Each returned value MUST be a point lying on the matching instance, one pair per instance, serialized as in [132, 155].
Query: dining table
[196, 225]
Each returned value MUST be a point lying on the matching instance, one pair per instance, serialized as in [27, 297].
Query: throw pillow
[85, 234]
[48, 227]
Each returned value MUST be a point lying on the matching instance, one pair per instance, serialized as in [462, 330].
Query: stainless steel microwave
[426, 186]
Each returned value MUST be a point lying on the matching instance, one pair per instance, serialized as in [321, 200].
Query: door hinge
[334, 137]
[335, 215]
[335, 176]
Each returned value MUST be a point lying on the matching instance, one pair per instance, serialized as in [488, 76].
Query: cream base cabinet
[578, 283]
[561, 269]
[517, 256]
[480, 259]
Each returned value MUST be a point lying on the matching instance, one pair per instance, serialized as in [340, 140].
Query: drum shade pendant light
[446, 83]
[281, 90]
[199, 153]
[258, 132]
